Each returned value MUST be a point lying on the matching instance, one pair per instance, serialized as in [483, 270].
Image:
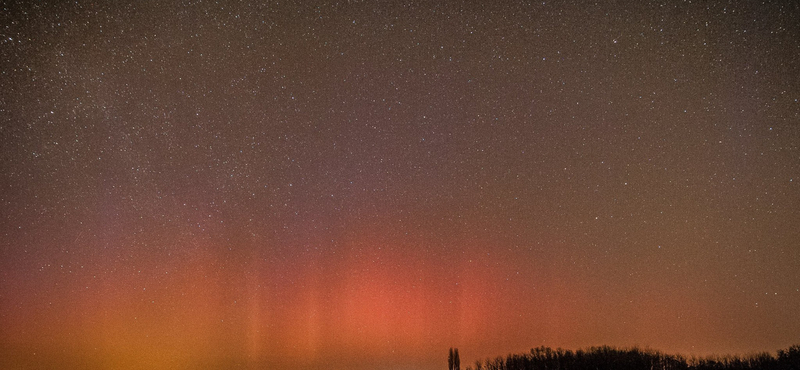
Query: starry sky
[353, 185]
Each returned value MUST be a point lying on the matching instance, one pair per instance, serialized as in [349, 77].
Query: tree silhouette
[453, 361]
[611, 358]
[450, 360]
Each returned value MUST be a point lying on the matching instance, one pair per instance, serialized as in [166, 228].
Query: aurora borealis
[363, 185]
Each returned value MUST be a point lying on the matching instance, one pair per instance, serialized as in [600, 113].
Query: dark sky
[336, 185]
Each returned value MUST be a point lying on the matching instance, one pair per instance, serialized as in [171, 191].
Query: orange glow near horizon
[381, 300]
[378, 300]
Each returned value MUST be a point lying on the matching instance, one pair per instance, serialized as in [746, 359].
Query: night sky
[353, 185]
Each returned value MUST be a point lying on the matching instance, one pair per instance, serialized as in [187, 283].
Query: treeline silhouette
[611, 358]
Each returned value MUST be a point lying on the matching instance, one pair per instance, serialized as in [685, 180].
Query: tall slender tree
[456, 360]
[450, 360]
